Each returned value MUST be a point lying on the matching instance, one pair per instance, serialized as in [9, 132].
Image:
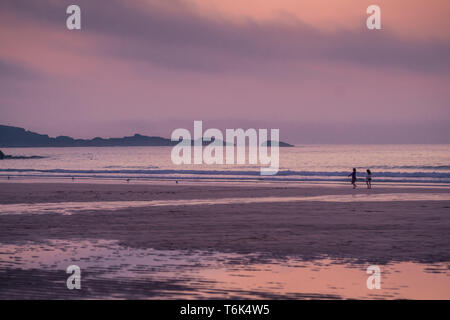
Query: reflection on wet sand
[74, 207]
[109, 270]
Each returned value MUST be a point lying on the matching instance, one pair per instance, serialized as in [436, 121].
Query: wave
[228, 178]
[282, 173]
[420, 167]
[134, 167]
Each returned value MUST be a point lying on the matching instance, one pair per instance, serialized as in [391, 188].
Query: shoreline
[211, 181]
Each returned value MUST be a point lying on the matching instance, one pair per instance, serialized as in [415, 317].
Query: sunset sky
[308, 67]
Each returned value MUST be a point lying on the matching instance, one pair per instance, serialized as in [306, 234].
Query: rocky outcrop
[4, 157]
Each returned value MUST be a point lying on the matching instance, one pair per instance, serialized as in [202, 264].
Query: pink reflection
[220, 275]
[68, 208]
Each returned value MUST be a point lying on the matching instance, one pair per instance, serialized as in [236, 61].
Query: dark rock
[281, 144]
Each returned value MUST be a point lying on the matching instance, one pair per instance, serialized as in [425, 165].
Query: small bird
[128, 180]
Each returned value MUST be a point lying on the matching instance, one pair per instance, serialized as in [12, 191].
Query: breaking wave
[283, 175]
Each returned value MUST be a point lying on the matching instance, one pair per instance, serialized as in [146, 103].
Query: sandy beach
[349, 226]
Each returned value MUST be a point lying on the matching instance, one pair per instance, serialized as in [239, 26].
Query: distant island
[280, 144]
[15, 137]
[6, 156]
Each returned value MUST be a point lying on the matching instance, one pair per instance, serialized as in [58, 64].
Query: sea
[415, 164]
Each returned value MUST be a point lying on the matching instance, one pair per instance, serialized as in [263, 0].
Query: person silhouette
[369, 179]
[353, 174]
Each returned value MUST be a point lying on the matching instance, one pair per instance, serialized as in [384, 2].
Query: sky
[308, 67]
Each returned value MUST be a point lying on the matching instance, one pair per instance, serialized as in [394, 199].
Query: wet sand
[362, 232]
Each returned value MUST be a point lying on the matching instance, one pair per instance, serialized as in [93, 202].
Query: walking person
[369, 179]
[353, 174]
